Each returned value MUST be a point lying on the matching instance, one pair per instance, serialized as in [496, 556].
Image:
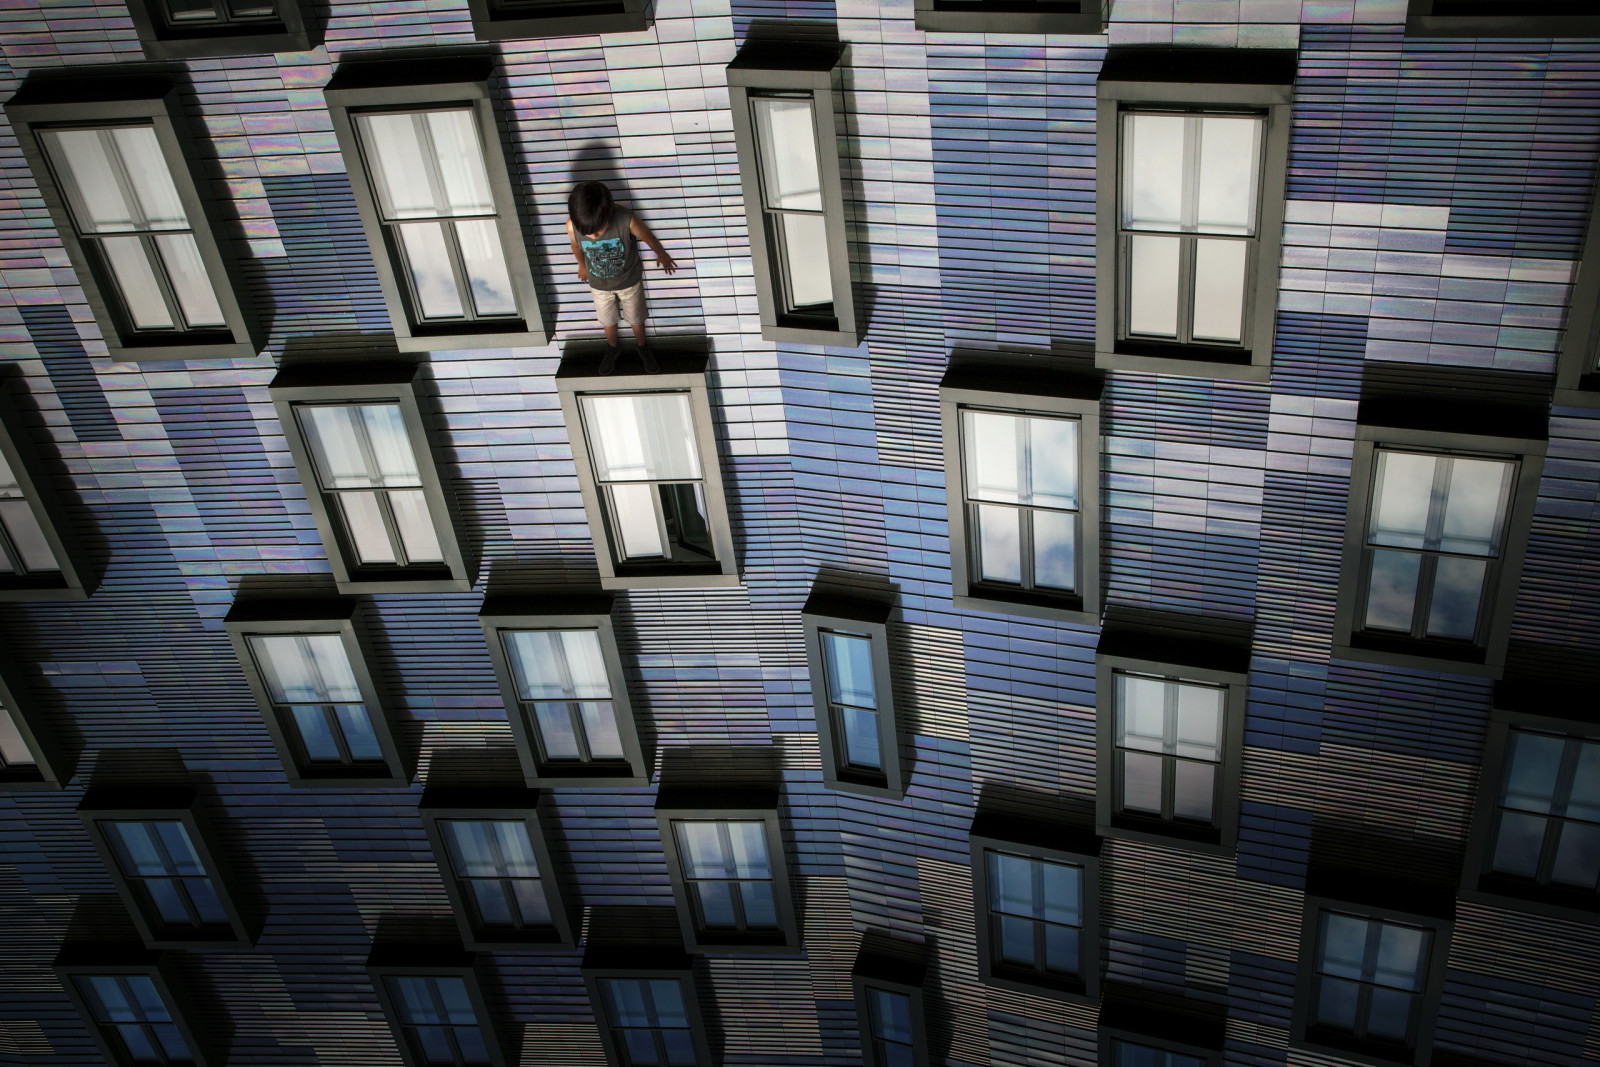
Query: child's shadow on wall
[597, 161]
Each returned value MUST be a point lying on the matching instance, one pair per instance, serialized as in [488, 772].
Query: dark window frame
[374, 382]
[1239, 80]
[577, 378]
[794, 68]
[341, 617]
[432, 961]
[564, 612]
[1485, 659]
[730, 804]
[1304, 1034]
[1050, 845]
[291, 32]
[1421, 21]
[144, 804]
[51, 770]
[1159, 1021]
[1023, 394]
[531, 808]
[646, 963]
[391, 85]
[1478, 882]
[891, 976]
[1578, 365]
[934, 16]
[1226, 800]
[73, 581]
[98, 960]
[869, 618]
[153, 100]
[492, 22]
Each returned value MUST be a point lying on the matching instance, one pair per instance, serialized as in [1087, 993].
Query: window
[165, 867]
[133, 1010]
[430, 178]
[889, 1005]
[29, 758]
[307, 668]
[847, 646]
[190, 29]
[435, 1006]
[1024, 487]
[1144, 1027]
[1502, 18]
[566, 698]
[1170, 742]
[647, 1011]
[728, 874]
[651, 482]
[1434, 545]
[1194, 145]
[1133, 1054]
[507, 20]
[497, 867]
[781, 95]
[111, 164]
[39, 556]
[360, 445]
[1039, 911]
[1578, 368]
[1011, 16]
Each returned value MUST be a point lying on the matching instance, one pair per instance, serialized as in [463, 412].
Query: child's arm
[577, 252]
[642, 232]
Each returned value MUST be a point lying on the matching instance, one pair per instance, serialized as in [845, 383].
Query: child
[605, 240]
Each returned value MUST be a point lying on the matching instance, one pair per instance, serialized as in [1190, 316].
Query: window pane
[1230, 147]
[108, 1000]
[666, 998]
[749, 841]
[1400, 956]
[1474, 506]
[1152, 184]
[1457, 591]
[306, 668]
[704, 855]
[1584, 800]
[891, 1015]
[1519, 844]
[1336, 1003]
[806, 270]
[27, 537]
[1577, 859]
[459, 156]
[786, 136]
[600, 727]
[82, 160]
[1052, 462]
[1219, 281]
[760, 910]
[638, 525]
[1153, 286]
[1535, 763]
[135, 276]
[1392, 590]
[187, 272]
[316, 735]
[642, 438]
[1015, 938]
[428, 262]
[1062, 893]
[13, 749]
[557, 664]
[1061, 949]
[847, 660]
[1199, 721]
[999, 543]
[1131, 1055]
[557, 734]
[398, 152]
[1055, 550]
[359, 446]
[358, 732]
[625, 1001]
[1344, 945]
[1389, 1014]
[172, 1043]
[1141, 782]
[860, 731]
[1011, 884]
[415, 523]
[1141, 712]
[1401, 500]
[146, 169]
[994, 455]
[364, 525]
[1192, 789]
[485, 262]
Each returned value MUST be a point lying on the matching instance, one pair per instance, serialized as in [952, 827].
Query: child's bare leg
[638, 333]
[611, 333]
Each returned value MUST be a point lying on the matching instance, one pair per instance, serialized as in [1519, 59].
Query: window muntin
[165, 873]
[1547, 819]
[565, 694]
[729, 874]
[1129, 1054]
[1035, 914]
[1434, 540]
[24, 547]
[313, 687]
[649, 1022]
[889, 1024]
[791, 201]
[648, 476]
[494, 864]
[130, 218]
[852, 698]
[366, 466]
[1369, 977]
[1189, 224]
[14, 750]
[1021, 483]
[438, 213]
[1167, 748]
[436, 1015]
[130, 1013]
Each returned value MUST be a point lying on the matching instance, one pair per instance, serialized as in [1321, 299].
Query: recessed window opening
[438, 1019]
[889, 1021]
[242, 16]
[313, 686]
[565, 694]
[1035, 914]
[1547, 827]
[1021, 479]
[165, 872]
[852, 699]
[647, 469]
[1168, 738]
[24, 548]
[729, 874]
[494, 863]
[1369, 977]
[129, 1011]
[791, 200]
[649, 1022]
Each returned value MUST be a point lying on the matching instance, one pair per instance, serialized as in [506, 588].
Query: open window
[646, 453]
[1022, 465]
[113, 166]
[565, 693]
[166, 866]
[29, 755]
[1578, 368]
[361, 447]
[193, 29]
[1193, 150]
[434, 1002]
[307, 667]
[782, 98]
[431, 181]
[1502, 18]
[1012, 16]
[646, 1006]
[729, 872]
[890, 1014]
[40, 558]
[847, 651]
[133, 1006]
[510, 20]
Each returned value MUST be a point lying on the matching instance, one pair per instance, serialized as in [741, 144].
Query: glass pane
[107, 1000]
[1230, 147]
[1141, 782]
[716, 903]
[786, 136]
[1153, 286]
[428, 261]
[394, 152]
[683, 510]
[415, 523]
[207, 905]
[1193, 785]
[1052, 462]
[1055, 550]
[702, 850]
[473, 848]
[364, 525]
[1519, 844]
[1584, 800]
[187, 273]
[1336, 1003]
[172, 1043]
[600, 726]
[1474, 505]
[749, 841]
[1344, 945]
[891, 1015]
[1141, 715]
[1577, 859]
[469, 1039]
[1392, 591]
[316, 735]
[1401, 499]
[516, 848]
[137, 1041]
[647, 437]
[625, 1001]
[994, 450]
[760, 911]
[1014, 937]
[359, 736]
[847, 661]
[807, 273]
[135, 847]
[459, 157]
[13, 749]
[1062, 893]
[999, 543]
[1011, 884]
[485, 262]
[26, 536]
[532, 906]
[490, 901]
[82, 161]
[1152, 183]
[306, 668]
[860, 731]
[1219, 281]
[557, 734]
[191, 10]
[1457, 591]
[1061, 949]
[359, 446]
[637, 524]
[1199, 721]
[135, 276]
[1131, 1055]
[1535, 763]
[1389, 1013]
[1400, 956]
[557, 664]
[146, 169]
[680, 1048]
[666, 999]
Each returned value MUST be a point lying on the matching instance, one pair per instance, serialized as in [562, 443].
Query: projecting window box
[195, 29]
[1012, 16]
[40, 556]
[510, 20]
[1502, 18]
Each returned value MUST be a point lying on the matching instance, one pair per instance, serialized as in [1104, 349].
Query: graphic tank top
[613, 256]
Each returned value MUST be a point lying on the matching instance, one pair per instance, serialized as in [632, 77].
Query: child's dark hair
[590, 207]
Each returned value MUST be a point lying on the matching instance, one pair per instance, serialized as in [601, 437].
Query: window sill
[809, 335]
[1379, 1054]
[1057, 610]
[1172, 835]
[519, 336]
[1503, 26]
[41, 589]
[607, 777]
[1586, 395]
[1414, 654]
[1499, 892]
[207, 46]
[1191, 361]
[1005, 21]
[383, 780]
[487, 27]
[865, 786]
[434, 580]
[1066, 990]
[125, 353]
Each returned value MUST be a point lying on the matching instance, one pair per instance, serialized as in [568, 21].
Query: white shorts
[628, 303]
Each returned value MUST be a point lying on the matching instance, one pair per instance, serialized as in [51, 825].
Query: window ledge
[399, 584]
[1197, 366]
[799, 335]
[1030, 609]
[1587, 395]
[930, 18]
[1355, 1049]
[490, 27]
[1419, 660]
[59, 589]
[173, 47]
[466, 340]
[121, 353]
[1209, 841]
[1494, 893]
[1536, 26]
[1066, 990]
